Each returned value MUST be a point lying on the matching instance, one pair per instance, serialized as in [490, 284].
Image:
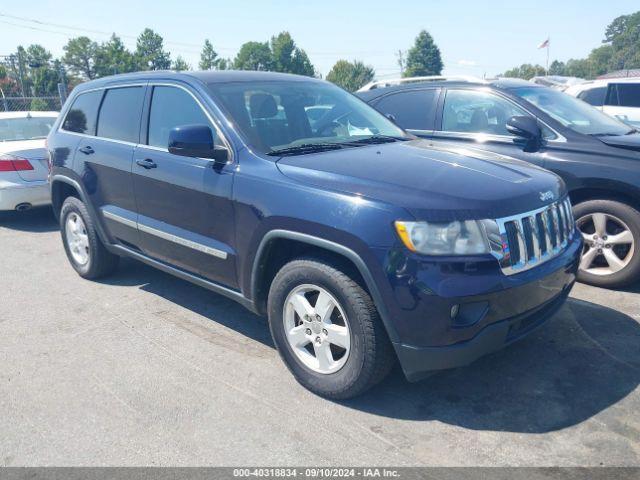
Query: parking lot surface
[145, 369]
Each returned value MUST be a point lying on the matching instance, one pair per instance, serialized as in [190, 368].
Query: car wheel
[611, 232]
[85, 251]
[327, 330]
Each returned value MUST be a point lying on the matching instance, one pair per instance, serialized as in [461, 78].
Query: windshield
[571, 112]
[25, 128]
[298, 117]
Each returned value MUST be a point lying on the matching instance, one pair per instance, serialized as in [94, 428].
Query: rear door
[414, 110]
[185, 215]
[105, 160]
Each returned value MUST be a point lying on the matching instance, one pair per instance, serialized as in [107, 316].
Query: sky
[475, 37]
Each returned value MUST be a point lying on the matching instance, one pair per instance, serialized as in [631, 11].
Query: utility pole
[400, 56]
[21, 71]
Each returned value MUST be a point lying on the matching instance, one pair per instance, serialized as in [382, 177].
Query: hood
[629, 142]
[432, 183]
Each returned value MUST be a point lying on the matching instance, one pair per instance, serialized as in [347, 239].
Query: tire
[596, 268]
[369, 356]
[99, 261]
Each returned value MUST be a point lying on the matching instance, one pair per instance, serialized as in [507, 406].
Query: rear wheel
[611, 232]
[85, 251]
[327, 330]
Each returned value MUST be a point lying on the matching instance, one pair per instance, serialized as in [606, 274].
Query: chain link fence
[21, 104]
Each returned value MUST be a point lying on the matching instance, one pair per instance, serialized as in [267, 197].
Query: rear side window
[172, 107]
[411, 109]
[624, 95]
[119, 117]
[594, 96]
[81, 117]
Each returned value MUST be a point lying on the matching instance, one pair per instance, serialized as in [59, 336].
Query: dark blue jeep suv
[362, 244]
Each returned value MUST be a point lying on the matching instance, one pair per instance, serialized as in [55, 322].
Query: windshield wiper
[376, 139]
[305, 148]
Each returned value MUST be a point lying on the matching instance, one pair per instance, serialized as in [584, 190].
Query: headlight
[450, 238]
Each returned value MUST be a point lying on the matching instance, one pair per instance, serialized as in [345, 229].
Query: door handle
[146, 163]
[87, 150]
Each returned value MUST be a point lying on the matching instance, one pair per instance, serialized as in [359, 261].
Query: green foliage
[150, 53]
[254, 56]
[208, 57]
[38, 104]
[80, 55]
[180, 64]
[424, 57]
[526, 71]
[288, 58]
[112, 57]
[621, 50]
[350, 75]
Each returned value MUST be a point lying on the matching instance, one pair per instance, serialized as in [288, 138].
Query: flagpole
[548, 45]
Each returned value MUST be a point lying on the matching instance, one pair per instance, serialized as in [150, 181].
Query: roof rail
[431, 78]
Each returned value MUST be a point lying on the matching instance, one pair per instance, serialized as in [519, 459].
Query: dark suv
[295, 198]
[597, 156]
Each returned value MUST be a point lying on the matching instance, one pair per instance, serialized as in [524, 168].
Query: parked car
[597, 156]
[23, 159]
[618, 97]
[361, 243]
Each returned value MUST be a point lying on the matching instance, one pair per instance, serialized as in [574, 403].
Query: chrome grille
[524, 241]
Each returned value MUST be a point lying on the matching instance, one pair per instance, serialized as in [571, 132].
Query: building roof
[634, 72]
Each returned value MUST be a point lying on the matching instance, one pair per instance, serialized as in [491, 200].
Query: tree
[79, 56]
[424, 57]
[150, 53]
[525, 71]
[254, 56]
[288, 58]
[208, 57]
[350, 76]
[180, 64]
[557, 68]
[113, 57]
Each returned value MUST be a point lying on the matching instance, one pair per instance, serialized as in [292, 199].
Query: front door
[185, 216]
[477, 119]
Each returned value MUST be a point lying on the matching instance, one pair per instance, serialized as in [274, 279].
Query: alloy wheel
[317, 328]
[77, 238]
[608, 244]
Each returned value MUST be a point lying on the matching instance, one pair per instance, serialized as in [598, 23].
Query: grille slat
[536, 236]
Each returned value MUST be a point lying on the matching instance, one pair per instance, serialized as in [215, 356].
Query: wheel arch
[619, 192]
[277, 247]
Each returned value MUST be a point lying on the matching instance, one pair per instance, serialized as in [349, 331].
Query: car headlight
[444, 238]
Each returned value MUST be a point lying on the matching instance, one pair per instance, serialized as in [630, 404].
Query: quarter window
[624, 95]
[119, 117]
[81, 117]
[172, 107]
[410, 109]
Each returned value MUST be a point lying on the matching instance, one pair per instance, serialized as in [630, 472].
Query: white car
[618, 97]
[23, 159]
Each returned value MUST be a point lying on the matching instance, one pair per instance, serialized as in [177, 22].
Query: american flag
[544, 44]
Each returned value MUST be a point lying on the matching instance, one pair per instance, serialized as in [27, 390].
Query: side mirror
[526, 128]
[196, 141]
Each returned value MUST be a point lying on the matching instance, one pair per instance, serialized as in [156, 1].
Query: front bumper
[447, 313]
[34, 193]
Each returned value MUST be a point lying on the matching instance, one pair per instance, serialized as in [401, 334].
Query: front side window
[410, 109]
[81, 117]
[299, 117]
[172, 107]
[119, 117]
[476, 111]
[594, 96]
[571, 112]
[25, 128]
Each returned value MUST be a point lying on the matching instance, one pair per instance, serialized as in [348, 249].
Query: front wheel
[611, 232]
[327, 329]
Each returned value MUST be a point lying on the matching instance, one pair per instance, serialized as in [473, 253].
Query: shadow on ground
[583, 361]
[37, 220]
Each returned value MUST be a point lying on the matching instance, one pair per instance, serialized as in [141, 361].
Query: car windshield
[300, 117]
[25, 128]
[571, 112]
